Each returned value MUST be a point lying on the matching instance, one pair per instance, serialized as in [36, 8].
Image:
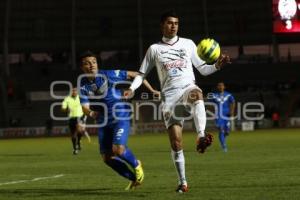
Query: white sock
[179, 162]
[199, 115]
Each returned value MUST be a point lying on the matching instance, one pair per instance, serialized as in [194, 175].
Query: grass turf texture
[260, 165]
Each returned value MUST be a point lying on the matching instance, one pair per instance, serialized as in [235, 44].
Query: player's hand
[231, 116]
[94, 114]
[156, 95]
[223, 60]
[128, 94]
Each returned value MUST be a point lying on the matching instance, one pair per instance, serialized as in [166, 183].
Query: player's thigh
[80, 128]
[121, 130]
[107, 156]
[72, 125]
[223, 125]
[173, 109]
[105, 138]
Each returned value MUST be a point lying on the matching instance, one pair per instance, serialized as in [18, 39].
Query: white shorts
[175, 106]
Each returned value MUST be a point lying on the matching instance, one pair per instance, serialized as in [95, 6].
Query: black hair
[85, 54]
[166, 14]
[89, 53]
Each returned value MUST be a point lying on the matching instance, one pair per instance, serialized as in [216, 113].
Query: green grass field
[260, 165]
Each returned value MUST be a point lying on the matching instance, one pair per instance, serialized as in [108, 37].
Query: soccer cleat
[75, 152]
[182, 188]
[204, 142]
[225, 150]
[139, 174]
[131, 186]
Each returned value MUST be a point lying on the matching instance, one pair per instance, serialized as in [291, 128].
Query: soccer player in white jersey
[174, 57]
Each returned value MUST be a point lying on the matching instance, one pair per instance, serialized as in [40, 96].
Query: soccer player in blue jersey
[225, 105]
[98, 86]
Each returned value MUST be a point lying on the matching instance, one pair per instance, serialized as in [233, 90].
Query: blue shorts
[223, 125]
[115, 133]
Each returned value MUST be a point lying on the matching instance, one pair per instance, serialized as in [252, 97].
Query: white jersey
[174, 59]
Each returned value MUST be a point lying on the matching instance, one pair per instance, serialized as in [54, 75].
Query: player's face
[74, 92]
[221, 87]
[170, 27]
[89, 65]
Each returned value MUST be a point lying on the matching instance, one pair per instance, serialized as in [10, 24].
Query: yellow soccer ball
[209, 50]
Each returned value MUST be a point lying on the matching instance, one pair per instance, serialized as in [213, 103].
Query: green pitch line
[259, 165]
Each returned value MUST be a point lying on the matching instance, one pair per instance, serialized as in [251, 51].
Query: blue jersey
[103, 90]
[223, 102]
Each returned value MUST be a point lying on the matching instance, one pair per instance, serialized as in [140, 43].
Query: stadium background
[39, 44]
[40, 41]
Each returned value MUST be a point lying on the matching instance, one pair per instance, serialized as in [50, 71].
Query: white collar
[170, 41]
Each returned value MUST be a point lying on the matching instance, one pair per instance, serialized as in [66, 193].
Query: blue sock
[121, 168]
[129, 158]
[222, 139]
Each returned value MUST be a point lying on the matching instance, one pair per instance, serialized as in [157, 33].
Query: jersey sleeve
[64, 104]
[148, 62]
[123, 74]
[83, 96]
[116, 75]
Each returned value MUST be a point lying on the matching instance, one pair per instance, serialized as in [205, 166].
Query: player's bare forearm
[86, 109]
[149, 86]
[132, 74]
[232, 108]
[138, 79]
[156, 93]
[88, 112]
[65, 110]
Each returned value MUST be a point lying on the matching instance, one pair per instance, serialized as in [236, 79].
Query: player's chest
[221, 99]
[170, 58]
[99, 87]
[73, 102]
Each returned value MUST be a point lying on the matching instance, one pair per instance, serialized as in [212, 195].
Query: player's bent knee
[118, 149]
[105, 158]
[176, 145]
[194, 96]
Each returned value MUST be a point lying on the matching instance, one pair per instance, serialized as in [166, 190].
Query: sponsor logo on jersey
[173, 58]
[175, 64]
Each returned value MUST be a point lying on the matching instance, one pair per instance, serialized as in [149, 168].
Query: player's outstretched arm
[232, 109]
[206, 69]
[88, 112]
[133, 75]
[151, 89]
[64, 110]
[64, 106]
[138, 80]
